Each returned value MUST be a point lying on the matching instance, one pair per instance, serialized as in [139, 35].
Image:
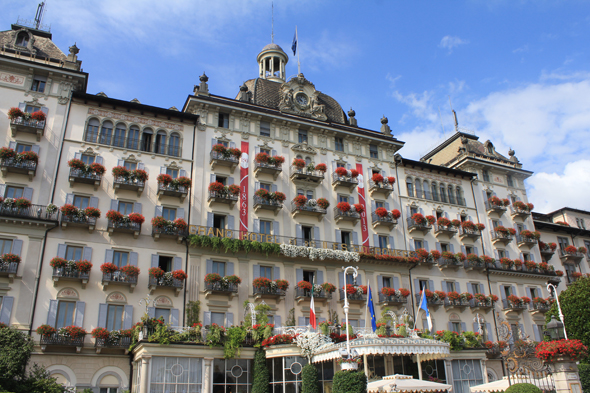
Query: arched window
[460, 199]
[146, 140]
[133, 138]
[434, 192]
[22, 39]
[419, 188]
[410, 186]
[174, 145]
[92, 130]
[106, 133]
[426, 189]
[160, 146]
[119, 139]
[451, 194]
[443, 194]
[307, 160]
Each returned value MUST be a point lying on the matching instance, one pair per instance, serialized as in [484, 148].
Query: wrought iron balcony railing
[164, 282]
[268, 291]
[26, 167]
[33, 212]
[393, 299]
[311, 176]
[221, 287]
[118, 277]
[316, 294]
[355, 297]
[57, 339]
[121, 342]
[31, 126]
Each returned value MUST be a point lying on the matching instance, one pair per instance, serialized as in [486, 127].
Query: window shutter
[469, 288]
[180, 212]
[208, 266]
[463, 327]
[475, 327]
[513, 290]
[277, 272]
[158, 211]
[396, 283]
[274, 188]
[78, 155]
[102, 315]
[536, 332]
[373, 205]
[232, 145]
[379, 283]
[28, 193]
[426, 245]
[387, 206]
[230, 181]
[210, 220]
[528, 293]
[412, 245]
[128, 317]
[256, 271]
[108, 256]
[362, 323]
[93, 202]
[137, 208]
[133, 258]
[61, 250]
[69, 199]
[2, 190]
[230, 222]
[22, 106]
[301, 321]
[489, 332]
[162, 169]
[375, 240]
[87, 253]
[114, 204]
[141, 166]
[457, 287]
[273, 152]
[298, 275]
[338, 236]
[316, 234]
[152, 312]
[431, 285]
[213, 178]
[355, 237]
[177, 263]
[450, 324]
[121, 163]
[229, 268]
[278, 321]
[522, 332]
[276, 228]
[229, 319]
[174, 314]
[213, 142]
[299, 234]
[52, 313]
[359, 279]
[452, 248]
[438, 247]
[256, 226]
[476, 251]
[7, 303]
[99, 160]
[351, 200]
[503, 292]
[256, 185]
[421, 211]
[416, 286]
[320, 277]
[79, 320]
[182, 173]
[35, 149]
[341, 279]
[17, 247]
[155, 260]
[256, 150]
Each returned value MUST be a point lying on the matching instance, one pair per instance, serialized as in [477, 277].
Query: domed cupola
[271, 63]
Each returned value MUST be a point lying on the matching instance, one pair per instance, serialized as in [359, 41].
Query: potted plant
[377, 178]
[422, 253]
[506, 262]
[277, 160]
[354, 173]
[300, 200]
[92, 212]
[136, 218]
[29, 156]
[404, 292]
[298, 163]
[396, 214]
[130, 270]
[323, 203]
[431, 220]
[233, 279]
[328, 288]
[156, 272]
[343, 206]
[443, 222]
[159, 222]
[550, 351]
[262, 158]
[304, 285]
[100, 333]
[164, 179]
[216, 187]
[571, 250]
[219, 149]
[180, 224]
[381, 212]
[419, 219]
[7, 153]
[114, 216]
[514, 300]
[73, 332]
[447, 255]
[453, 296]
[261, 282]
[10, 258]
[233, 189]
[282, 284]
[97, 168]
[120, 171]
[15, 113]
[58, 263]
[108, 268]
[46, 330]
[279, 196]
[38, 115]
[342, 172]
[359, 208]
[179, 275]
[184, 181]
[140, 175]
[435, 254]
[262, 193]
[83, 266]
[69, 210]
[22, 203]
[321, 167]
[480, 227]
[234, 151]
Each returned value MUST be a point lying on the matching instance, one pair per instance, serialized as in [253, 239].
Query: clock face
[301, 99]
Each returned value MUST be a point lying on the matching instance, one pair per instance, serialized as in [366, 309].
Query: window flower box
[162, 227]
[393, 297]
[345, 212]
[272, 165]
[450, 260]
[304, 293]
[265, 288]
[526, 239]
[379, 184]
[224, 156]
[354, 294]
[515, 303]
[21, 163]
[174, 188]
[215, 284]
[345, 178]
[521, 210]
[547, 249]
[503, 235]
[85, 174]
[470, 230]
[474, 262]
[418, 223]
[495, 205]
[433, 299]
[312, 207]
[174, 280]
[9, 266]
[26, 122]
[482, 302]
[571, 255]
[443, 229]
[218, 193]
[264, 200]
[64, 270]
[72, 216]
[62, 338]
[126, 224]
[383, 218]
[132, 180]
[308, 175]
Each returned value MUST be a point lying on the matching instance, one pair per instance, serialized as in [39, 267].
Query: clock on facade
[301, 99]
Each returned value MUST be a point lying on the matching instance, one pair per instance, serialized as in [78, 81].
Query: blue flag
[424, 306]
[294, 45]
[371, 310]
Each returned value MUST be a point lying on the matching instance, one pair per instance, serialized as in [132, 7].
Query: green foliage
[234, 340]
[233, 245]
[471, 340]
[215, 336]
[38, 381]
[162, 335]
[193, 310]
[261, 375]
[454, 339]
[309, 379]
[262, 311]
[87, 390]
[584, 372]
[523, 388]
[349, 382]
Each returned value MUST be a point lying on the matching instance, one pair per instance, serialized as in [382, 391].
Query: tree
[261, 378]
[349, 382]
[309, 379]
[523, 388]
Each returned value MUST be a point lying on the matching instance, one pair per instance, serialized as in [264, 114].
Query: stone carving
[69, 293]
[116, 297]
[12, 79]
[299, 97]
[163, 301]
[304, 148]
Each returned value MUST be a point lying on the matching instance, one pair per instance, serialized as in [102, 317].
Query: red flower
[321, 167]
[340, 171]
[354, 173]
[396, 214]
[156, 272]
[164, 179]
[298, 163]
[136, 218]
[108, 267]
[381, 212]
[179, 275]
[359, 208]
[343, 206]
[323, 203]
[300, 200]
[377, 178]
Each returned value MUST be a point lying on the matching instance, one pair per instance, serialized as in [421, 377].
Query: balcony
[393, 300]
[539, 308]
[118, 278]
[521, 214]
[223, 197]
[432, 302]
[501, 237]
[221, 288]
[444, 263]
[413, 226]
[33, 212]
[220, 159]
[344, 181]
[57, 340]
[572, 258]
[444, 232]
[525, 242]
[497, 267]
[516, 307]
[474, 265]
[354, 298]
[29, 126]
[318, 296]
[167, 231]
[8, 269]
[308, 177]
[78, 176]
[546, 251]
[268, 293]
[460, 304]
[349, 216]
[307, 210]
[77, 221]
[24, 167]
[495, 208]
[172, 191]
[267, 204]
[274, 170]
[65, 274]
[388, 222]
[121, 343]
[380, 189]
[469, 234]
[124, 227]
[164, 283]
[477, 305]
[121, 183]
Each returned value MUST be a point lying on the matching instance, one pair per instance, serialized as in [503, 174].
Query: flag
[294, 45]
[312, 320]
[424, 306]
[371, 309]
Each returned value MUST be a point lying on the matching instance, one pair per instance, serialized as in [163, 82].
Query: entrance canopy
[406, 384]
[426, 348]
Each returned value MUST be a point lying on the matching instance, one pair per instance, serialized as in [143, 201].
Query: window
[444, 247]
[387, 282]
[534, 292]
[383, 242]
[5, 246]
[133, 138]
[172, 172]
[451, 287]
[266, 271]
[451, 195]
[165, 263]
[345, 238]
[418, 244]
[507, 290]
[513, 199]
[475, 288]
[423, 284]
[338, 144]
[267, 151]
[349, 279]
[146, 140]
[413, 210]
[265, 186]
[439, 215]
[264, 128]
[460, 199]
[223, 120]
[74, 253]
[125, 208]
[160, 146]
[419, 188]
[174, 145]
[265, 227]
[456, 327]
[410, 186]
[466, 373]
[221, 179]
[219, 268]
[38, 84]
[379, 204]
[169, 213]
[526, 256]
[131, 166]
[495, 223]
[106, 133]
[218, 221]
[373, 151]
[342, 198]
[119, 137]
[14, 192]
[65, 314]
[509, 181]
[92, 130]
[120, 258]
[434, 192]
[87, 159]
[164, 313]
[578, 222]
[302, 136]
[563, 242]
[308, 275]
[172, 374]
[223, 379]
[108, 390]
[486, 175]
[469, 250]
[306, 231]
[309, 194]
[114, 317]
[218, 318]
[20, 148]
[443, 194]
[502, 254]
[22, 39]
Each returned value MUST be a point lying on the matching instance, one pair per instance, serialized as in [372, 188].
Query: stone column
[207, 386]
[565, 376]
[145, 372]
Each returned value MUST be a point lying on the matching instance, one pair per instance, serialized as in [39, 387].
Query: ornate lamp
[555, 329]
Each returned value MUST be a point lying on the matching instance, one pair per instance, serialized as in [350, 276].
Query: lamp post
[553, 291]
[346, 307]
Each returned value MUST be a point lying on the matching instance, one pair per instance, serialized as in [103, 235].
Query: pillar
[207, 386]
[565, 376]
[145, 373]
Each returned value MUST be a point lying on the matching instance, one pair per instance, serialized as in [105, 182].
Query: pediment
[300, 97]
[304, 148]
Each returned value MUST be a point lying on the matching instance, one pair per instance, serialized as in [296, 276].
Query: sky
[517, 72]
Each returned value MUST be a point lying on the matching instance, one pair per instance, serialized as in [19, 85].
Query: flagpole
[366, 308]
[298, 63]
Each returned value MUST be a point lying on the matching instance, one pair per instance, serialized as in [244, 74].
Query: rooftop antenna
[272, 35]
[39, 15]
[454, 115]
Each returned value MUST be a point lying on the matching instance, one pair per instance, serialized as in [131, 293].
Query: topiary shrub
[261, 377]
[523, 388]
[349, 382]
[584, 372]
[309, 379]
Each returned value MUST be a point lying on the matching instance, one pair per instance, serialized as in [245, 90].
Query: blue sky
[517, 72]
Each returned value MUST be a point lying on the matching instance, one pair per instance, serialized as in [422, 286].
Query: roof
[272, 46]
[42, 45]
[446, 143]
[437, 168]
[268, 94]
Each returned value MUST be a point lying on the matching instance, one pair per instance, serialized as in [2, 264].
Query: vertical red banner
[364, 225]
[244, 181]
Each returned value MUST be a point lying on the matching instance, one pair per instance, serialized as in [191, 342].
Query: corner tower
[271, 63]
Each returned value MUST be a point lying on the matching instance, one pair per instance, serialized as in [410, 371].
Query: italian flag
[312, 319]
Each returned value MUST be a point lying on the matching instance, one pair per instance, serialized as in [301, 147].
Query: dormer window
[22, 39]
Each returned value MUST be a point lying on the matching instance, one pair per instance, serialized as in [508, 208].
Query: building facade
[128, 200]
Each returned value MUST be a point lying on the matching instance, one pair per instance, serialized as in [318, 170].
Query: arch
[119, 134]
[106, 132]
[307, 160]
[163, 301]
[147, 135]
[174, 145]
[22, 38]
[68, 293]
[491, 375]
[110, 371]
[160, 142]
[418, 186]
[65, 371]
[133, 137]
[410, 186]
[116, 297]
[92, 130]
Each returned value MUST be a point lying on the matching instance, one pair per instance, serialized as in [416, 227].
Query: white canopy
[406, 384]
[502, 384]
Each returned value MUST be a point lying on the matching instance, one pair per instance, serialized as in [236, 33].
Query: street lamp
[555, 329]
[553, 292]
[346, 307]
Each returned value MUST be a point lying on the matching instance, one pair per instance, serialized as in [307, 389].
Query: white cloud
[449, 42]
